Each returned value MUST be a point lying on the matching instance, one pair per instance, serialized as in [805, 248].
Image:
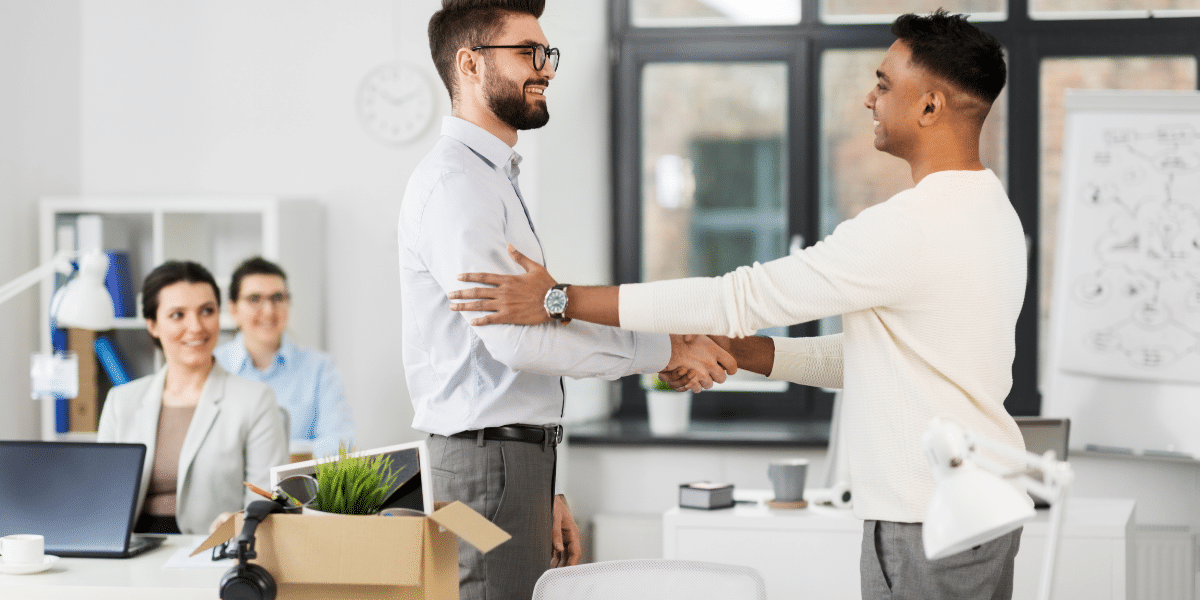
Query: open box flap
[223, 532]
[470, 526]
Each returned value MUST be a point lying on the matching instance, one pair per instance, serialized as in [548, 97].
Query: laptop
[1042, 434]
[80, 496]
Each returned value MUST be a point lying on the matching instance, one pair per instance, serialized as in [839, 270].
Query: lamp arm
[1056, 475]
[1056, 478]
[40, 272]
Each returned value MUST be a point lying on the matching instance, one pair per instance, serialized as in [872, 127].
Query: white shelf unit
[215, 231]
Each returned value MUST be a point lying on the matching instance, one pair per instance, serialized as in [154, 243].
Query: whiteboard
[1124, 360]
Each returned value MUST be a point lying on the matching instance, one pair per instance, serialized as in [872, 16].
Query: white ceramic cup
[787, 477]
[23, 549]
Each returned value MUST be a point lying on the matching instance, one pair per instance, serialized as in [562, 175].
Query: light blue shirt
[306, 383]
[461, 209]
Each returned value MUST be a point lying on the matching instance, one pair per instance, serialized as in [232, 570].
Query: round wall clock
[396, 103]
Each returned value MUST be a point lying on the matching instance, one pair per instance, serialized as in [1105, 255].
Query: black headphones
[247, 581]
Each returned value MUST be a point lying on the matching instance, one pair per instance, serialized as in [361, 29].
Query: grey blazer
[236, 434]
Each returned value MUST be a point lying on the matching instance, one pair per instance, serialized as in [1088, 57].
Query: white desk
[140, 577]
[814, 552]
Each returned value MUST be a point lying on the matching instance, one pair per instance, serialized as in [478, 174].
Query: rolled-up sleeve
[816, 361]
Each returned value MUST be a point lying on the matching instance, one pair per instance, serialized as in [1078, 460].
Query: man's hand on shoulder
[696, 362]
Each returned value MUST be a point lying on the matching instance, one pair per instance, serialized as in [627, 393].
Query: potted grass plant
[354, 485]
[669, 411]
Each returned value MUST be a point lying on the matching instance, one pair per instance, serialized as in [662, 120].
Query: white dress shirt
[929, 285]
[461, 208]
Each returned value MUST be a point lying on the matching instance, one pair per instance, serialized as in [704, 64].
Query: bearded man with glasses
[491, 399]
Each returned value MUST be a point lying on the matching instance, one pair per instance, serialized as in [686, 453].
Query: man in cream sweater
[929, 285]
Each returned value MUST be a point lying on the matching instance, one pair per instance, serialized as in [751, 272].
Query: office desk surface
[140, 577]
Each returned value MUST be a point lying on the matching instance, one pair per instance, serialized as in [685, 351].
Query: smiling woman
[205, 431]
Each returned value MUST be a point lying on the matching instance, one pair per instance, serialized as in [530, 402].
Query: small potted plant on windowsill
[669, 411]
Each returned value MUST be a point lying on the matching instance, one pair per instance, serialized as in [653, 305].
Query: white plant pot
[670, 412]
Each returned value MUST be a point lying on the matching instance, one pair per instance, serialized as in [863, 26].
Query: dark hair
[256, 265]
[170, 272]
[955, 50]
[469, 23]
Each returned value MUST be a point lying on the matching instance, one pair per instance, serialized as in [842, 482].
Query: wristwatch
[556, 302]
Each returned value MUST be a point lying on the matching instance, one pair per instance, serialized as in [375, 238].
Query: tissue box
[706, 495]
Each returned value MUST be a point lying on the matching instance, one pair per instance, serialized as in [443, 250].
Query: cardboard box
[365, 557]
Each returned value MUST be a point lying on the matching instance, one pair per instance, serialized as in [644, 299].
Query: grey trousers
[893, 566]
[512, 484]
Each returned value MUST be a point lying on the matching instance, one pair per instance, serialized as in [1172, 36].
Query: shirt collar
[489, 147]
[241, 357]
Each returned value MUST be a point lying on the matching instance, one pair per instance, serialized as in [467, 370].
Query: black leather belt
[550, 435]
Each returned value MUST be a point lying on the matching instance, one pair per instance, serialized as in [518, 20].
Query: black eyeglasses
[540, 53]
[276, 299]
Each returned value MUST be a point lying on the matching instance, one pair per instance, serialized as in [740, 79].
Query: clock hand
[398, 100]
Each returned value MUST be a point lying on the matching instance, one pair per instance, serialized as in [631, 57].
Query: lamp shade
[971, 506]
[84, 302]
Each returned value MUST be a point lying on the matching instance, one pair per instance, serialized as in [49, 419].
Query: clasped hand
[696, 361]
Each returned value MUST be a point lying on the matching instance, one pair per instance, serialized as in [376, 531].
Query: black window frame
[1027, 43]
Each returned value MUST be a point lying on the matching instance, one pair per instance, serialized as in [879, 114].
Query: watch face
[556, 302]
[396, 103]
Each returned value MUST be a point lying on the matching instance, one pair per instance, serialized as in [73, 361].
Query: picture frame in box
[413, 489]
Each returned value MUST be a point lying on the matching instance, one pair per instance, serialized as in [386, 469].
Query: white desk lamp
[84, 302]
[973, 503]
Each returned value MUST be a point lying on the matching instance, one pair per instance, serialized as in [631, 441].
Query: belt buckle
[553, 436]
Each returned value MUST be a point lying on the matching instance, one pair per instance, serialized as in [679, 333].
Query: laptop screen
[80, 496]
[1042, 434]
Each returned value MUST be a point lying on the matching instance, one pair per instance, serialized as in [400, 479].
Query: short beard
[512, 108]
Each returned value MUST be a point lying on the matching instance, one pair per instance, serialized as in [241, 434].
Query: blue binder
[120, 284]
[106, 352]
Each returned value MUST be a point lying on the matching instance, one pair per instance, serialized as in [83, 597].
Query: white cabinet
[217, 232]
[814, 552]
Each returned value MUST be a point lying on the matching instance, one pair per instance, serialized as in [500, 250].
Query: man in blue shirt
[305, 380]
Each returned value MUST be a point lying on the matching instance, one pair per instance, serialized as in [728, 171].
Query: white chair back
[651, 579]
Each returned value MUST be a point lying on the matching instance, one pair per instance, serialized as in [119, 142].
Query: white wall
[227, 96]
[39, 155]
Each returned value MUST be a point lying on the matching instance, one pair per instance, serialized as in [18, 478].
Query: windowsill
[762, 434]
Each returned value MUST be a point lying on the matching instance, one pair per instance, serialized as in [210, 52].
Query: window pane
[714, 175]
[1106, 9]
[713, 13]
[1058, 75]
[854, 175]
[886, 11]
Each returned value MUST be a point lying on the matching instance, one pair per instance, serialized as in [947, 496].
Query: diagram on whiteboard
[1132, 249]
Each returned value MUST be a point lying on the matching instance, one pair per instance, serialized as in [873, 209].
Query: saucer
[49, 560]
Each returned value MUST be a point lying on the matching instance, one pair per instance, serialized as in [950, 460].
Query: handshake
[697, 361]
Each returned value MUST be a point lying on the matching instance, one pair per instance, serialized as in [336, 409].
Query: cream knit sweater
[929, 285]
